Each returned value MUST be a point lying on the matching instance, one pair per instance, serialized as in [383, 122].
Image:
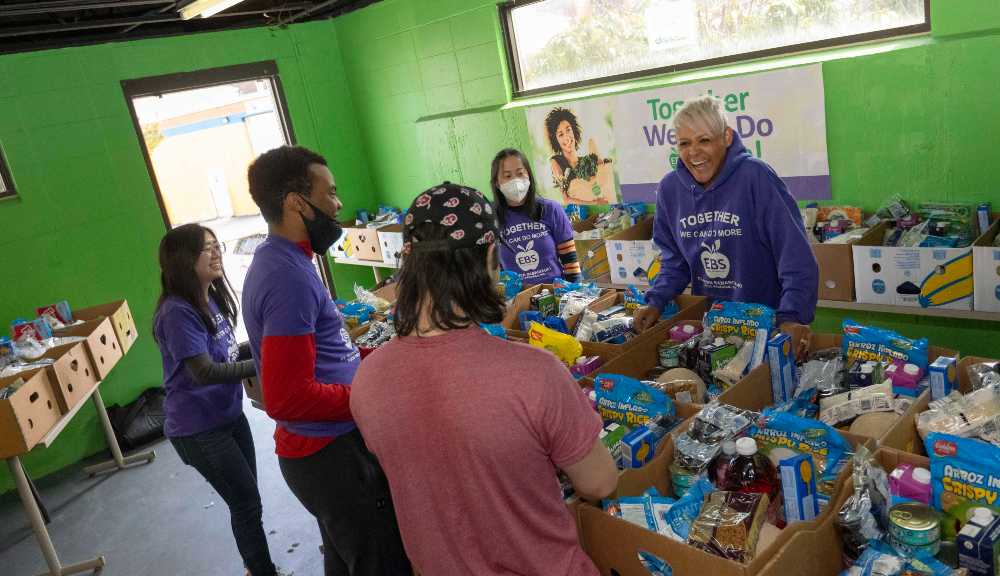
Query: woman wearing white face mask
[536, 235]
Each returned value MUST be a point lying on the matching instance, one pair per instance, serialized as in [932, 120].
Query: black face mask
[323, 231]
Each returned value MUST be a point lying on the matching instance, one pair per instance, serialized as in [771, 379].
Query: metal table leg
[41, 533]
[119, 462]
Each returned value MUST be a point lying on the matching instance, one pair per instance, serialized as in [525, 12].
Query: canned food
[909, 550]
[914, 524]
[681, 479]
[669, 353]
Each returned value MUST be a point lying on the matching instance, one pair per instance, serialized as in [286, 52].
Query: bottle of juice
[752, 472]
[720, 466]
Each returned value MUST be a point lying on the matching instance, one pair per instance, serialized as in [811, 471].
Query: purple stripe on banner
[639, 192]
[809, 187]
[800, 187]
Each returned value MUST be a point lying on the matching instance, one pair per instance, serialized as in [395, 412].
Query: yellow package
[564, 346]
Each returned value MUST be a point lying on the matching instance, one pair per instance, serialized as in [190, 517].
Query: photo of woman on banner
[585, 179]
[726, 224]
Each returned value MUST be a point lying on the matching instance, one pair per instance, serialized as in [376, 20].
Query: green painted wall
[915, 120]
[86, 225]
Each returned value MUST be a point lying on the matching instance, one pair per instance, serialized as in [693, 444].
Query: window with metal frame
[6, 180]
[560, 44]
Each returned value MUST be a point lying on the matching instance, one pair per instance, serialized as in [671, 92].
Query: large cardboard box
[614, 543]
[591, 249]
[904, 436]
[632, 256]
[121, 321]
[72, 374]
[753, 392]
[28, 415]
[921, 277]
[101, 344]
[817, 551]
[836, 266]
[390, 240]
[986, 271]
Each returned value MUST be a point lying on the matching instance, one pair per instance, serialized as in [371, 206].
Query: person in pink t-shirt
[471, 429]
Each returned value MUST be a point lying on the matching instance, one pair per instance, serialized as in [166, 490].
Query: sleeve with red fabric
[291, 391]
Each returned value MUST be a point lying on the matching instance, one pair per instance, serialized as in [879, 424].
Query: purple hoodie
[740, 239]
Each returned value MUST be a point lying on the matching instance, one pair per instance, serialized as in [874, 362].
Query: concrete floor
[160, 519]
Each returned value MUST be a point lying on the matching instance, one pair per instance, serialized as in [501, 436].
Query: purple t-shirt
[284, 296]
[191, 407]
[530, 249]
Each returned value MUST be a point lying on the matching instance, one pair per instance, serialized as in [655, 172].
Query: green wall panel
[86, 224]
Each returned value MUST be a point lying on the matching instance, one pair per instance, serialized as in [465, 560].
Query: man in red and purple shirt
[306, 362]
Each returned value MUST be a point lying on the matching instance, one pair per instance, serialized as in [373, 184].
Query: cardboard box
[818, 551]
[28, 415]
[613, 543]
[72, 374]
[986, 271]
[387, 293]
[591, 249]
[921, 277]
[357, 243]
[390, 239]
[903, 435]
[632, 255]
[753, 392]
[365, 243]
[101, 344]
[641, 355]
[121, 321]
[836, 266]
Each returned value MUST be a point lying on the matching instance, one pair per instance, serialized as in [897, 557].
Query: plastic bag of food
[729, 525]
[864, 515]
[983, 374]
[630, 402]
[368, 297]
[564, 346]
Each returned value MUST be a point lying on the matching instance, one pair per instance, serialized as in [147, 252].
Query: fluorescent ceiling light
[206, 8]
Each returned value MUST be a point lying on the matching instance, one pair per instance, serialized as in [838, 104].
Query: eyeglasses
[215, 247]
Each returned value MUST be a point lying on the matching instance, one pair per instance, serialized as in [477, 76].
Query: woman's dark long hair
[531, 205]
[180, 249]
[456, 283]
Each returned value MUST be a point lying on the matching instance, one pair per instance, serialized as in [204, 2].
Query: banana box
[928, 277]
[986, 265]
[632, 257]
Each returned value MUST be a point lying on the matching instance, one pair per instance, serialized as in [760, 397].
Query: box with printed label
[798, 484]
[986, 271]
[390, 240]
[591, 250]
[632, 256]
[921, 277]
[637, 447]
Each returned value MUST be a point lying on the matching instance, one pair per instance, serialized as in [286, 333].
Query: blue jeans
[225, 457]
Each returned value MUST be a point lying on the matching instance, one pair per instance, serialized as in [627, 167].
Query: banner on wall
[603, 150]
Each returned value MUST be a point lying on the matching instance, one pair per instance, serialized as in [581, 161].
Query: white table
[118, 462]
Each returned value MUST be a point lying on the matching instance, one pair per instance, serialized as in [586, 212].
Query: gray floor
[160, 519]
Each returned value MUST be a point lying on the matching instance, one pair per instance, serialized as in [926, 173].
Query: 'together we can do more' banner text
[600, 150]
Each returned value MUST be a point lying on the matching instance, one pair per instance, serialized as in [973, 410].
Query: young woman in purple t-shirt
[203, 369]
[536, 235]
